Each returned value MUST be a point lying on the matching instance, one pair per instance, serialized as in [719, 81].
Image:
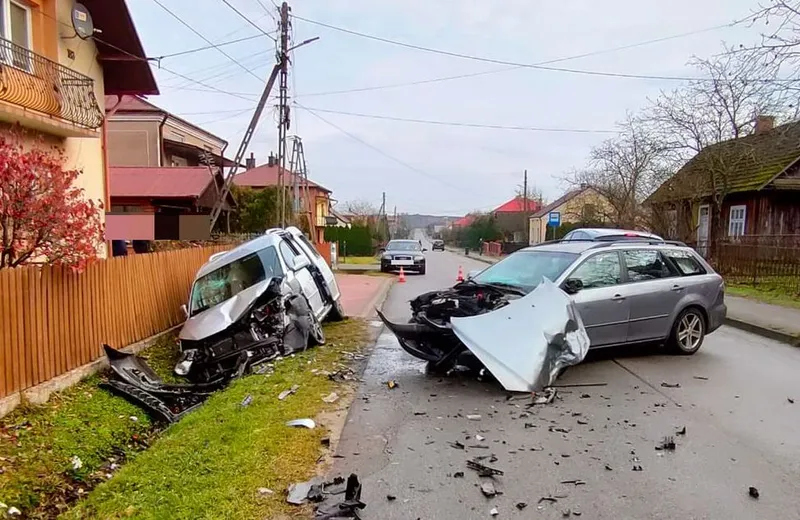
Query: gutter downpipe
[161, 139]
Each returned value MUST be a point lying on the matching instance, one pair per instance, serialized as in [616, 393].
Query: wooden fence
[53, 320]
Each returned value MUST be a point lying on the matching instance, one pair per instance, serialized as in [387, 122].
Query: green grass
[767, 293]
[38, 442]
[359, 260]
[212, 462]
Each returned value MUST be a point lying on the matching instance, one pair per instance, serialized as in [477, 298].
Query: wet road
[733, 400]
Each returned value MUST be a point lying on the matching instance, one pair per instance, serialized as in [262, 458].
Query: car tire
[316, 336]
[422, 270]
[337, 311]
[688, 332]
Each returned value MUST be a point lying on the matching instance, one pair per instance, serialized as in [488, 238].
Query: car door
[655, 289]
[300, 241]
[602, 302]
[303, 276]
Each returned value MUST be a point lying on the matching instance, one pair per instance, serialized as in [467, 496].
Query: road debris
[545, 397]
[457, 445]
[670, 385]
[521, 505]
[586, 396]
[701, 378]
[753, 492]
[246, 401]
[458, 474]
[286, 393]
[548, 498]
[391, 498]
[480, 438]
[474, 417]
[13, 511]
[559, 429]
[265, 491]
[483, 471]
[637, 467]
[391, 384]
[667, 444]
[791, 401]
[302, 423]
[566, 513]
[576, 482]
[494, 512]
[298, 492]
[76, 462]
[580, 385]
[609, 468]
[331, 398]
[488, 489]
[349, 507]
[583, 421]
[682, 431]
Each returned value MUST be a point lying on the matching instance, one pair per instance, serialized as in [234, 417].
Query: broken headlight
[185, 363]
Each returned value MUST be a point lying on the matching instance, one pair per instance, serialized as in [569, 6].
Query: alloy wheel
[690, 331]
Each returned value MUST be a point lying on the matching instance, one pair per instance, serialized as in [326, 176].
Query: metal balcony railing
[34, 82]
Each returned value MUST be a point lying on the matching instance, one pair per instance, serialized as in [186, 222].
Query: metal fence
[37, 83]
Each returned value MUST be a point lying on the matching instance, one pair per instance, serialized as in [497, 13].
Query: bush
[352, 241]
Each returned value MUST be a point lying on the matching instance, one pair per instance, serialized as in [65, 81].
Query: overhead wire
[515, 63]
[251, 22]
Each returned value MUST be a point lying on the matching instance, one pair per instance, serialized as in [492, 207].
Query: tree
[360, 210]
[44, 217]
[257, 210]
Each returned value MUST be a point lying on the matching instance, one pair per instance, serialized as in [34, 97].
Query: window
[525, 269]
[15, 26]
[403, 245]
[644, 264]
[308, 245]
[736, 221]
[685, 261]
[287, 253]
[600, 270]
[226, 282]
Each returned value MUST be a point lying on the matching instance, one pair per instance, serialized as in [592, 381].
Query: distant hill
[414, 221]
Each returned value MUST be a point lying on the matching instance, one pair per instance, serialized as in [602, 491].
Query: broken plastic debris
[494, 512]
[488, 490]
[391, 384]
[265, 491]
[332, 398]
[670, 385]
[134, 418]
[753, 492]
[298, 492]
[76, 462]
[701, 378]
[458, 474]
[302, 423]
[480, 438]
[791, 401]
[521, 505]
[545, 397]
[637, 467]
[286, 393]
[474, 417]
[483, 471]
[13, 511]
[247, 400]
[682, 431]
[667, 444]
[548, 499]
[457, 445]
[391, 498]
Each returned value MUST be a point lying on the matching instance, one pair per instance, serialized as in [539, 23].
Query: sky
[428, 168]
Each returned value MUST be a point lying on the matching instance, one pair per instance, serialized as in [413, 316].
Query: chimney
[764, 124]
[250, 162]
[272, 161]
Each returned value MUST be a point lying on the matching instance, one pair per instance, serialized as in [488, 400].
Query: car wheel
[316, 336]
[337, 311]
[688, 332]
[422, 270]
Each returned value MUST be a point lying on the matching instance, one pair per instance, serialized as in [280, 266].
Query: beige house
[53, 79]
[582, 204]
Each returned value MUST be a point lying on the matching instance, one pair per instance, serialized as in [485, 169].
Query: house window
[736, 221]
[15, 26]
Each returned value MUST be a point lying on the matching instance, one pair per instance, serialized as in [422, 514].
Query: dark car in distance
[406, 254]
[438, 244]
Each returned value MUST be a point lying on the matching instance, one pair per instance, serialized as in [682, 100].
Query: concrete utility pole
[283, 109]
[525, 207]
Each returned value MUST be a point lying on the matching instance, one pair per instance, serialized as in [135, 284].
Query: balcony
[46, 95]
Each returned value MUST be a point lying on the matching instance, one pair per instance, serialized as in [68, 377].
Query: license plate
[402, 262]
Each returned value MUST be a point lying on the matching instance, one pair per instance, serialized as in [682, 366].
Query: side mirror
[473, 274]
[299, 262]
[185, 310]
[572, 285]
[382, 250]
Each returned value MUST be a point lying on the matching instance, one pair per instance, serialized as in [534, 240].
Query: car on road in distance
[403, 253]
[626, 291]
[438, 244]
[607, 234]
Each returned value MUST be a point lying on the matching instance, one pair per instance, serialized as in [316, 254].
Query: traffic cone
[402, 278]
[460, 277]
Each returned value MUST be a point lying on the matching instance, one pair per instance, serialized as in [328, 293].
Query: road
[733, 400]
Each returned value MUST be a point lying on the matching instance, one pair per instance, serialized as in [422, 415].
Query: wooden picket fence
[53, 320]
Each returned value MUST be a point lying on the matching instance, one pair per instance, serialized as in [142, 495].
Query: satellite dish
[82, 21]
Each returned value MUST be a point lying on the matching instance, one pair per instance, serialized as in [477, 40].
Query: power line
[513, 63]
[195, 31]
[516, 67]
[469, 125]
[251, 22]
[212, 46]
[264, 7]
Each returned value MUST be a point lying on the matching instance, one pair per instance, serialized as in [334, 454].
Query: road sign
[554, 219]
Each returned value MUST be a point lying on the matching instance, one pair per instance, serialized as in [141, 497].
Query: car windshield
[233, 278]
[525, 269]
[403, 246]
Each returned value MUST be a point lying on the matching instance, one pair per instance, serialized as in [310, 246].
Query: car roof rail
[648, 241]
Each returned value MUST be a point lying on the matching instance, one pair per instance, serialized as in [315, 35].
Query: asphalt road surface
[734, 401]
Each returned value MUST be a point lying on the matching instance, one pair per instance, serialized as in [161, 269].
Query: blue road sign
[554, 218]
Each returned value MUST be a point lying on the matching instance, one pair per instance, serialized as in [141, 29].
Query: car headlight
[185, 363]
[387, 256]
[419, 257]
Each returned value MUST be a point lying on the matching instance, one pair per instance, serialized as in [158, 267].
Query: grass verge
[212, 463]
[359, 260]
[765, 293]
[51, 454]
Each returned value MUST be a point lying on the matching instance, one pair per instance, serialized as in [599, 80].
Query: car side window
[686, 263]
[303, 240]
[647, 264]
[600, 270]
[287, 253]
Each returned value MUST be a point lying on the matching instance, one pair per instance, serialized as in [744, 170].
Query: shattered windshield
[233, 278]
[403, 246]
[526, 269]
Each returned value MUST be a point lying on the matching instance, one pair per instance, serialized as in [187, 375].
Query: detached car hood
[222, 315]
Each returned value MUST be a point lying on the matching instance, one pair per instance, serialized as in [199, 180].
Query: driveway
[733, 401]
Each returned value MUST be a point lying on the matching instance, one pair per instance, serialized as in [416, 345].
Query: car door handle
[617, 298]
[677, 288]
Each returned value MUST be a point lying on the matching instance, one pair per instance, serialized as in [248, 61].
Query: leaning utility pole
[283, 109]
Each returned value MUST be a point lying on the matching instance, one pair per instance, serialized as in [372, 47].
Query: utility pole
[283, 109]
[525, 207]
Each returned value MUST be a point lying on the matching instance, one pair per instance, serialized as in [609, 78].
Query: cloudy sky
[441, 169]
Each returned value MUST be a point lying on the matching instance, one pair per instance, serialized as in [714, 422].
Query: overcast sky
[447, 169]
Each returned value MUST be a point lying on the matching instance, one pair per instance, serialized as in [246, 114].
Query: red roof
[517, 205]
[159, 182]
[265, 175]
[131, 104]
[464, 221]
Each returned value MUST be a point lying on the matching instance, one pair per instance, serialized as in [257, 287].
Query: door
[303, 277]
[602, 303]
[300, 241]
[655, 288]
[703, 220]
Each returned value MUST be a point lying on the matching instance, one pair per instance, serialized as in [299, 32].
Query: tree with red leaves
[44, 218]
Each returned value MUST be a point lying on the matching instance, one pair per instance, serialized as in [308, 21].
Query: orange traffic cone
[402, 278]
[460, 277]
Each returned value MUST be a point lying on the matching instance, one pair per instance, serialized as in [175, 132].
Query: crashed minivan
[540, 309]
[263, 299]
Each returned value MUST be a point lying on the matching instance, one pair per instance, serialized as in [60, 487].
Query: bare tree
[361, 210]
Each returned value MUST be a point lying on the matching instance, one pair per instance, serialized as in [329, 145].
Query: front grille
[398, 257]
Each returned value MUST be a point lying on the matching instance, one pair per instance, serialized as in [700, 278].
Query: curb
[776, 335]
[378, 299]
[478, 258]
